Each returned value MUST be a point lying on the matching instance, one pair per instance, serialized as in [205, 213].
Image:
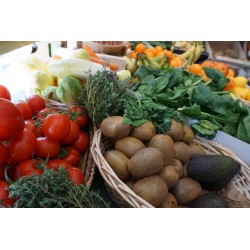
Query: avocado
[213, 172]
[210, 200]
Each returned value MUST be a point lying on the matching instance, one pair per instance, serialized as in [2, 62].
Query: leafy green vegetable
[219, 80]
[196, 99]
[138, 110]
[243, 131]
[69, 90]
[53, 189]
[50, 93]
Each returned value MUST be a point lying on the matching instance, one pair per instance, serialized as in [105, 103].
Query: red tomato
[4, 92]
[45, 112]
[4, 195]
[46, 148]
[36, 103]
[11, 120]
[3, 154]
[82, 142]
[2, 170]
[21, 148]
[30, 125]
[25, 110]
[76, 175]
[73, 134]
[27, 168]
[73, 156]
[77, 113]
[56, 163]
[56, 126]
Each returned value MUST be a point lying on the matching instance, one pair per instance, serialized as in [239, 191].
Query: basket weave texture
[86, 164]
[237, 192]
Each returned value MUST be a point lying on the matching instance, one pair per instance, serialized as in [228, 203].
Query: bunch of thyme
[53, 189]
[103, 95]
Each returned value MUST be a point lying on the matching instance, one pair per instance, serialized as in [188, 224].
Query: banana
[188, 52]
[197, 53]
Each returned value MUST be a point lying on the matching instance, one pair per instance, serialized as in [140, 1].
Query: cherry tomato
[46, 148]
[4, 92]
[78, 114]
[25, 110]
[31, 125]
[21, 148]
[28, 168]
[82, 142]
[56, 126]
[3, 154]
[73, 134]
[11, 120]
[76, 175]
[45, 112]
[73, 156]
[36, 103]
[56, 163]
[4, 195]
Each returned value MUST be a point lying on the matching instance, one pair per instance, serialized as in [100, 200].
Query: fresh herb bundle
[53, 189]
[103, 96]
[138, 110]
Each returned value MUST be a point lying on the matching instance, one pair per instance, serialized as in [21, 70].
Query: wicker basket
[237, 192]
[86, 164]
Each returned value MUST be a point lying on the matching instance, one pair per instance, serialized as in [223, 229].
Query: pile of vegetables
[36, 141]
[205, 102]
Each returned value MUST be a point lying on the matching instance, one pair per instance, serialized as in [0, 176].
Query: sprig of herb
[53, 189]
[103, 96]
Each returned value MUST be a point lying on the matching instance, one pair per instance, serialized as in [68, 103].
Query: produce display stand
[100, 177]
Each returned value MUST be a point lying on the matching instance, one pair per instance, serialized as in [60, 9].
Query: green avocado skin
[210, 200]
[213, 171]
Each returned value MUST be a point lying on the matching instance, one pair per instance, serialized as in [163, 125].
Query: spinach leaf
[205, 132]
[161, 83]
[176, 78]
[204, 96]
[145, 90]
[194, 111]
[219, 80]
[144, 71]
[243, 130]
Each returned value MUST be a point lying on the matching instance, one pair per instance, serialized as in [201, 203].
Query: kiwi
[113, 127]
[152, 189]
[166, 145]
[178, 167]
[129, 145]
[169, 202]
[182, 152]
[186, 190]
[144, 132]
[188, 135]
[145, 162]
[196, 150]
[118, 162]
[176, 130]
[169, 175]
